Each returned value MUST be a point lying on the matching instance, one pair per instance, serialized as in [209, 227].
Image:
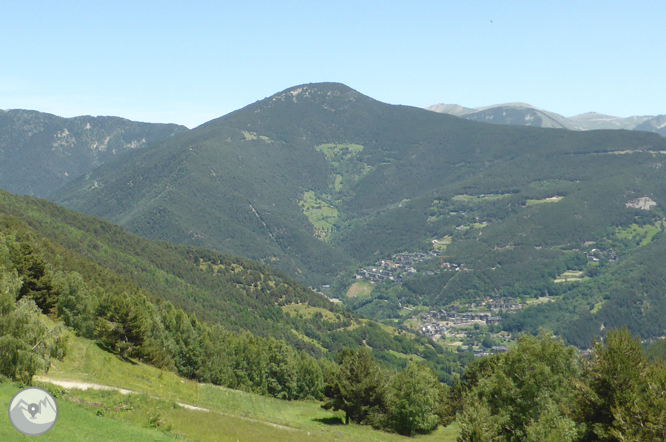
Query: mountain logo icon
[33, 411]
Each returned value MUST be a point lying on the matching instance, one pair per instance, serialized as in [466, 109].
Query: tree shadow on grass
[116, 354]
[330, 420]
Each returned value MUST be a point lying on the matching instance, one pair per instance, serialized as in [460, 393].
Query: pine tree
[358, 386]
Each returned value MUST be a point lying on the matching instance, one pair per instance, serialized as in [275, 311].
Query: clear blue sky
[190, 61]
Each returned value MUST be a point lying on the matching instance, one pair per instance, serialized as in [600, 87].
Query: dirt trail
[91, 386]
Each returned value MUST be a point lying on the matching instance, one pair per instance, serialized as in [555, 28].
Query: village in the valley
[453, 324]
[399, 267]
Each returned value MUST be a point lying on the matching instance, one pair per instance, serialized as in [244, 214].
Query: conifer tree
[358, 386]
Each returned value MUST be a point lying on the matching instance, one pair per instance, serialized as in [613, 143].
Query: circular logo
[33, 411]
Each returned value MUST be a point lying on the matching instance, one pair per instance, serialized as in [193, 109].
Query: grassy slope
[235, 415]
[76, 423]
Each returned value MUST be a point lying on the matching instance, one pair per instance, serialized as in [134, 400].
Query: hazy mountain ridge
[522, 114]
[40, 152]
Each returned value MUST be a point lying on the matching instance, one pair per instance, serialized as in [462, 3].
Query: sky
[188, 62]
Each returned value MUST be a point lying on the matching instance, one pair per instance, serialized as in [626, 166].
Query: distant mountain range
[41, 152]
[522, 114]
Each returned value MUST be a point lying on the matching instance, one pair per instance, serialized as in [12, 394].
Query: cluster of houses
[433, 330]
[596, 255]
[461, 319]
[413, 258]
[454, 267]
[401, 266]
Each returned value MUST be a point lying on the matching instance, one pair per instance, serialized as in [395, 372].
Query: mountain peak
[316, 92]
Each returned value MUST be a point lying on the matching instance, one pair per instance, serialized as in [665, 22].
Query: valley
[318, 230]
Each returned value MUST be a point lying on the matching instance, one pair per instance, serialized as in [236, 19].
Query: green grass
[339, 152]
[479, 225]
[571, 276]
[634, 230]
[236, 416]
[360, 289]
[441, 243]
[76, 423]
[542, 300]
[86, 362]
[597, 307]
[407, 357]
[320, 214]
[233, 416]
[337, 184]
[249, 136]
[308, 311]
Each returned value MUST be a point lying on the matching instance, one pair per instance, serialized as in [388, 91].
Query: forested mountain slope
[51, 244]
[41, 152]
[319, 179]
[303, 180]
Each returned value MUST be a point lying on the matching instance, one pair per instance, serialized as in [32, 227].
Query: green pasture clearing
[253, 136]
[337, 184]
[339, 152]
[308, 311]
[394, 331]
[598, 306]
[86, 362]
[552, 199]
[321, 215]
[649, 231]
[441, 243]
[480, 198]
[412, 324]
[416, 358]
[360, 289]
[542, 300]
[571, 276]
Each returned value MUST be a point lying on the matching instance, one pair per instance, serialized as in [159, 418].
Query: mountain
[41, 152]
[451, 109]
[517, 115]
[522, 114]
[594, 121]
[242, 296]
[319, 179]
[656, 124]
